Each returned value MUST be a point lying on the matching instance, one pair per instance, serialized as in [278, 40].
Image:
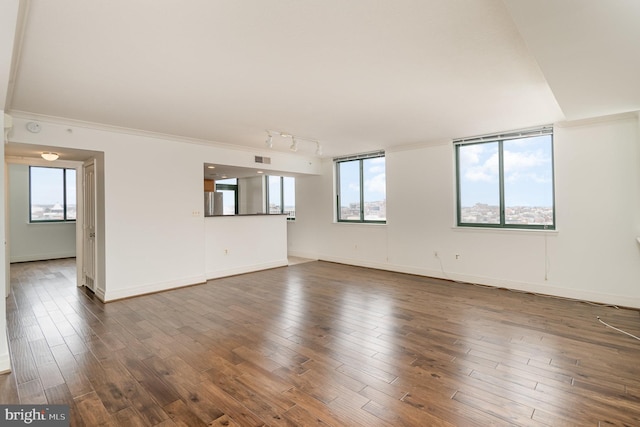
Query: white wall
[31, 242]
[238, 244]
[154, 230]
[592, 255]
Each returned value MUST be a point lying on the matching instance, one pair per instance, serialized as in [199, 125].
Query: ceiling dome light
[50, 156]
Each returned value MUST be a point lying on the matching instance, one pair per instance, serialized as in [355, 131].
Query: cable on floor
[617, 329]
[518, 291]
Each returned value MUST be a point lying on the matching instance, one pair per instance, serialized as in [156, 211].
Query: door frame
[78, 165]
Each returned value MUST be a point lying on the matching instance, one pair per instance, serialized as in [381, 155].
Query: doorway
[89, 244]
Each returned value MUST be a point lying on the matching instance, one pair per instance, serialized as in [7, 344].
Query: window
[281, 196]
[52, 194]
[361, 188]
[229, 190]
[506, 180]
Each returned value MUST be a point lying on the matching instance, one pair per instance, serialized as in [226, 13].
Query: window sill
[503, 230]
[376, 224]
[49, 222]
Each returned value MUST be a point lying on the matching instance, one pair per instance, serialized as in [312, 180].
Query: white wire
[444, 273]
[517, 291]
[613, 327]
[546, 257]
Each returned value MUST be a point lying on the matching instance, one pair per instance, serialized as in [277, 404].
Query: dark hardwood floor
[319, 344]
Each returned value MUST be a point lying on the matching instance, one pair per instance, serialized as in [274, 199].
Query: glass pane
[47, 194]
[228, 202]
[478, 168]
[528, 181]
[349, 188]
[275, 197]
[71, 193]
[374, 189]
[289, 196]
[228, 181]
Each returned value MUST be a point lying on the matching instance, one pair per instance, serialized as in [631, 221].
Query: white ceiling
[589, 51]
[356, 75]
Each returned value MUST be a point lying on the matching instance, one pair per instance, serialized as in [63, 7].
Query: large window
[52, 194]
[281, 196]
[506, 180]
[361, 188]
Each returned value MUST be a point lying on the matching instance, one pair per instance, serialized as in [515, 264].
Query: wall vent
[263, 160]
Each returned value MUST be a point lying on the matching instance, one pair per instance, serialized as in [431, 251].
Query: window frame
[500, 139]
[268, 197]
[360, 159]
[65, 209]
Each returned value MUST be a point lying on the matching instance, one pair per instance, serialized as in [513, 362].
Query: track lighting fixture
[294, 141]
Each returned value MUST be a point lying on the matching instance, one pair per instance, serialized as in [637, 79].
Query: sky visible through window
[373, 191]
[289, 194]
[528, 173]
[287, 198]
[47, 188]
[47, 193]
[374, 181]
[274, 194]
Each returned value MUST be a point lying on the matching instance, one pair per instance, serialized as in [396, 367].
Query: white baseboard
[41, 257]
[246, 269]
[303, 255]
[150, 288]
[537, 288]
[100, 294]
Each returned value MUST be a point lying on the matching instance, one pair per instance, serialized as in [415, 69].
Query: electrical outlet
[226, 251]
[457, 256]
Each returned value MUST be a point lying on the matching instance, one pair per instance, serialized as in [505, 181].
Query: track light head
[294, 140]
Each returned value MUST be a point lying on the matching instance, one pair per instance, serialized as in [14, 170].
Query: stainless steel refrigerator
[213, 204]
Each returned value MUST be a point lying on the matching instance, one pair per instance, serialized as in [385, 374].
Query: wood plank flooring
[319, 344]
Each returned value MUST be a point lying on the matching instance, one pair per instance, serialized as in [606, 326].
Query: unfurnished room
[305, 213]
